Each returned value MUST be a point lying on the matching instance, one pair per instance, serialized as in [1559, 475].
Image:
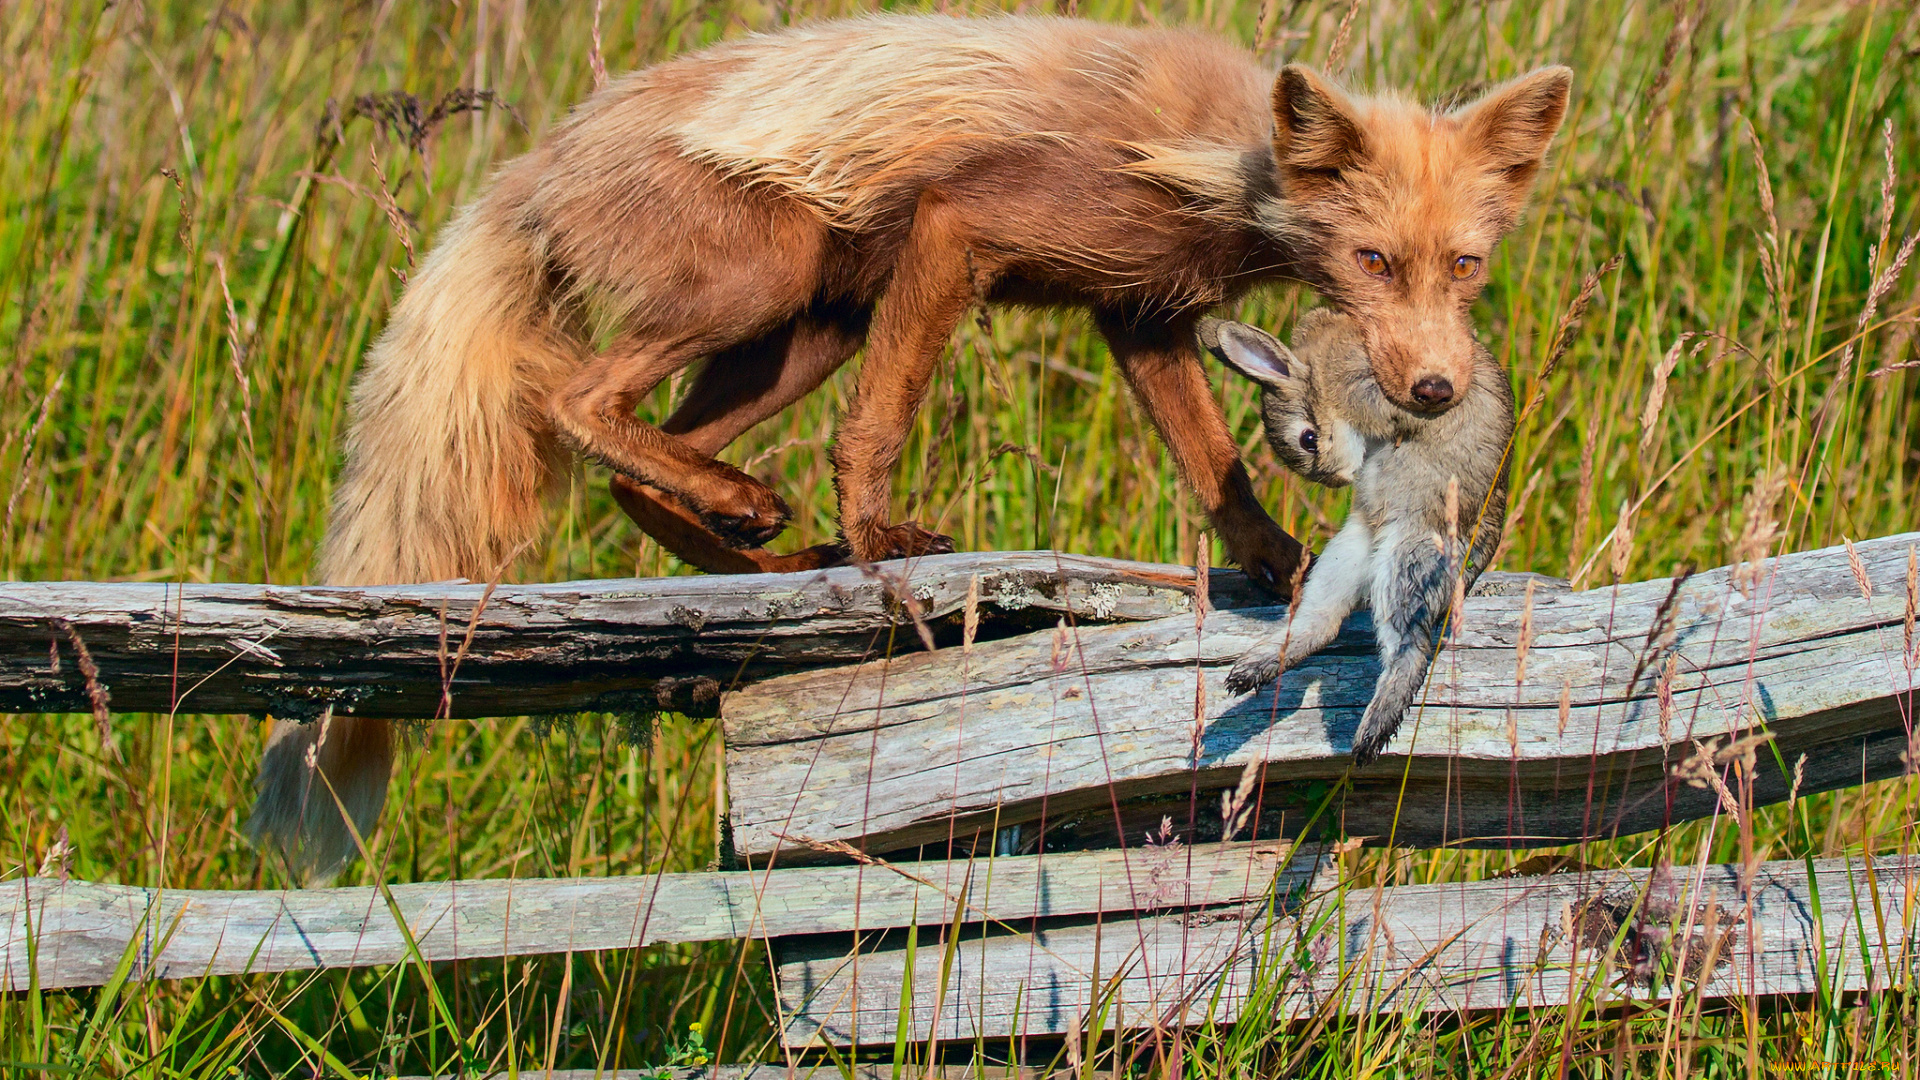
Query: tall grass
[209, 210]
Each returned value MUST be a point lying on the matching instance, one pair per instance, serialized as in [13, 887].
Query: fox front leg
[1412, 592]
[1336, 584]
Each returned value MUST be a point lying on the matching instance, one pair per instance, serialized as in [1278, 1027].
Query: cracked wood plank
[76, 933]
[1453, 948]
[613, 645]
[1072, 724]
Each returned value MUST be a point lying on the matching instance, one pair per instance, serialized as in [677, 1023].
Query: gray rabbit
[1327, 420]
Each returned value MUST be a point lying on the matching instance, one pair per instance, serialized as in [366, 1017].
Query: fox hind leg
[734, 391]
[594, 412]
[1412, 593]
[681, 532]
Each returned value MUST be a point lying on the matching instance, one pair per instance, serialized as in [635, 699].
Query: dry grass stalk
[1202, 549]
[596, 60]
[27, 452]
[396, 218]
[1701, 769]
[184, 232]
[1769, 250]
[1622, 542]
[1337, 52]
[1912, 648]
[1202, 568]
[1582, 503]
[1663, 631]
[1685, 22]
[970, 617]
[1657, 393]
[1663, 690]
[1236, 805]
[1565, 330]
[1758, 531]
[1516, 517]
[1524, 639]
[97, 696]
[1880, 285]
[1859, 570]
[58, 857]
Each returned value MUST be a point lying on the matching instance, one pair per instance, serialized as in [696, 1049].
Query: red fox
[1327, 419]
[768, 206]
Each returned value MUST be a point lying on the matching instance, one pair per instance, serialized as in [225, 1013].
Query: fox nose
[1433, 391]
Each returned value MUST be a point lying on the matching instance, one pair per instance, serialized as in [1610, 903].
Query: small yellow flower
[696, 1027]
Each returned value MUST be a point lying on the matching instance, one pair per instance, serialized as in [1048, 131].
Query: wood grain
[585, 645]
[1847, 927]
[76, 933]
[1069, 726]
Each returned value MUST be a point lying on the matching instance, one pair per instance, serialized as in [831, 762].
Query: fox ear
[1315, 130]
[1512, 125]
[1251, 351]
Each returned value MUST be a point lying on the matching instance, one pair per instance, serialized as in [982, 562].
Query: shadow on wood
[1103, 730]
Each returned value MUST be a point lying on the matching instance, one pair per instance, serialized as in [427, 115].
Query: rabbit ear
[1251, 351]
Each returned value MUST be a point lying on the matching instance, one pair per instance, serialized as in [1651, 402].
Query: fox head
[1401, 207]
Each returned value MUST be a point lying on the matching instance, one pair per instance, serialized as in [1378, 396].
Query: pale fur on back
[847, 115]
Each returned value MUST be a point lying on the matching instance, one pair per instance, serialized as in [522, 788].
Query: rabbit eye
[1309, 441]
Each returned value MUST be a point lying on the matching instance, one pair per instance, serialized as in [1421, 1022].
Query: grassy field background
[209, 210]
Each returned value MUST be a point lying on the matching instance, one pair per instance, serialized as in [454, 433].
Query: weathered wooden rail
[1025, 770]
[1090, 723]
[82, 932]
[1526, 942]
[464, 650]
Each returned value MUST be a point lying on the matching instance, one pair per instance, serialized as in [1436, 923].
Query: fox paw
[756, 516]
[1273, 564]
[907, 540]
[1252, 672]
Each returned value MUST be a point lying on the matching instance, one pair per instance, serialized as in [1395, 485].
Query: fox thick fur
[1399, 552]
[767, 207]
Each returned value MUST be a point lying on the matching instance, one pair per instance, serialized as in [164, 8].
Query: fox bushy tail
[448, 462]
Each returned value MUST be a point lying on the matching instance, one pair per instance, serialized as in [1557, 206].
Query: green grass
[161, 157]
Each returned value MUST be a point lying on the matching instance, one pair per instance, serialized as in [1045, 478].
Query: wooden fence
[1011, 790]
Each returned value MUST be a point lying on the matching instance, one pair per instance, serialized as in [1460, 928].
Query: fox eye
[1374, 263]
[1309, 441]
[1465, 266]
